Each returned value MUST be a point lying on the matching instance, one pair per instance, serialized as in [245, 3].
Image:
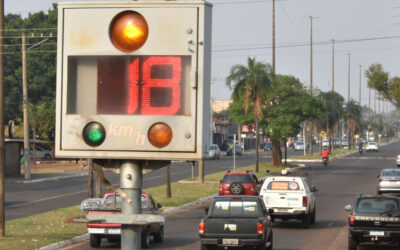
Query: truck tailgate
[283, 199]
[231, 227]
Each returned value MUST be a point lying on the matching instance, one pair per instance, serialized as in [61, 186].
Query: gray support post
[131, 184]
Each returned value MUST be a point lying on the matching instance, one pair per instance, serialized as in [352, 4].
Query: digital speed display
[142, 85]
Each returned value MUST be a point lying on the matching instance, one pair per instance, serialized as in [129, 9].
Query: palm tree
[353, 116]
[250, 80]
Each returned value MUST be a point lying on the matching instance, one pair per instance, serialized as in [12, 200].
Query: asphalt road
[23, 200]
[339, 184]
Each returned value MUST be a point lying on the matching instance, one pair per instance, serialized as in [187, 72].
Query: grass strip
[47, 228]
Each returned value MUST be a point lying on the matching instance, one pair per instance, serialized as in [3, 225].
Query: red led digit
[133, 88]
[162, 95]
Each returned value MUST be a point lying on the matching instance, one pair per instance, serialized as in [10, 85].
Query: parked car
[398, 160]
[337, 143]
[214, 152]
[345, 143]
[111, 203]
[325, 143]
[41, 153]
[238, 150]
[268, 146]
[372, 146]
[237, 222]
[374, 219]
[290, 197]
[239, 183]
[389, 181]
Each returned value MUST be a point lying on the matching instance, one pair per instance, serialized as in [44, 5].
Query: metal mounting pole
[131, 183]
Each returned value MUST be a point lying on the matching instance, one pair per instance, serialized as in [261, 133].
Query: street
[338, 185]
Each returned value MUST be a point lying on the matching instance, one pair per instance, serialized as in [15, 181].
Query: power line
[307, 44]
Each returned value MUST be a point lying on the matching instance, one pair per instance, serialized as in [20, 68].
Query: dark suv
[239, 183]
[374, 219]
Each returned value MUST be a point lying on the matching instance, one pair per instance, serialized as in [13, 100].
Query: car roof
[238, 173]
[236, 197]
[284, 178]
[390, 170]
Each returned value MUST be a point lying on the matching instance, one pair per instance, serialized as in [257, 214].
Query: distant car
[299, 145]
[214, 152]
[325, 143]
[239, 183]
[374, 219]
[268, 146]
[41, 153]
[290, 197]
[372, 146]
[389, 181]
[336, 143]
[345, 143]
[238, 150]
[398, 161]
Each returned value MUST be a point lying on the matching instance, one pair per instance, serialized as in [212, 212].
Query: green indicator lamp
[94, 134]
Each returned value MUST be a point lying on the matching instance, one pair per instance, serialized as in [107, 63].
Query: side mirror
[206, 210]
[159, 205]
[348, 208]
[314, 189]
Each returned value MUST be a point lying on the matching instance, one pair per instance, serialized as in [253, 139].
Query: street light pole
[348, 102]
[360, 87]
[25, 107]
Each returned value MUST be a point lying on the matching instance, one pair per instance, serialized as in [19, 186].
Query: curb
[56, 178]
[66, 242]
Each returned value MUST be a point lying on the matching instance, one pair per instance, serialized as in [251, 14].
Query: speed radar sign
[133, 80]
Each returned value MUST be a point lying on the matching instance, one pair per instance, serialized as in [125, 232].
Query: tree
[353, 116]
[287, 105]
[250, 80]
[387, 87]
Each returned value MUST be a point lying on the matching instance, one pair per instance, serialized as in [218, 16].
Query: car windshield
[299, 143]
[212, 147]
[242, 178]
[376, 205]
[234, 208]
[372, 143]
[390, 173]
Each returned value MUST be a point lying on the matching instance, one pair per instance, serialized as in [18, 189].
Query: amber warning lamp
[160, 134]
[128, 31]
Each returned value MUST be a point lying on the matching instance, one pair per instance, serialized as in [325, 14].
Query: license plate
[376, 233]
[230, 241]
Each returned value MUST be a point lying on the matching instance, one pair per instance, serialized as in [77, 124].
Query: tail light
[202, 227]
[260, 228]
[351, 219]
[304, 201]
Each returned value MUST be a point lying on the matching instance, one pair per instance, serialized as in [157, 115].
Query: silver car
[214, 152]
[389, 181]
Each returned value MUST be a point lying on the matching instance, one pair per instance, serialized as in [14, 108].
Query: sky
[367, 29]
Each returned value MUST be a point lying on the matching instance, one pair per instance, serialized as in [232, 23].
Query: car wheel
[305, 221]
[47, 157]
[159, 236]
[270, 239]
[146, 238]
[352, 243]
[236, 188]
[95, 240]
[313, 216]
[204, 247]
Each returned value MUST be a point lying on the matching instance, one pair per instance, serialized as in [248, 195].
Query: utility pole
[348, 101]
[2, 200]
[359, 101]
[369, 104]
[333, 65]
[25, 106]
[310, 140]
[273, 36]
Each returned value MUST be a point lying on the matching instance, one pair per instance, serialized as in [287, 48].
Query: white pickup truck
[290, 197]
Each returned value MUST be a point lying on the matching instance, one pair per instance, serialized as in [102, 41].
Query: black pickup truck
[236, 221]
[374, 219]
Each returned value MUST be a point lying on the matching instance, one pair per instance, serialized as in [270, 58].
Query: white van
[290, 197]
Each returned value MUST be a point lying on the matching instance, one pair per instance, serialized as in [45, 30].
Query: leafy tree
[353, 116]
[379, 80]
[288, 104]
[250, 80]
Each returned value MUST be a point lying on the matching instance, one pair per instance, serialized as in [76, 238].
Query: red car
[239, 183]
[112, 232]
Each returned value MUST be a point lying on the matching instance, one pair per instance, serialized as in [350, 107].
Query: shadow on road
[320, 224]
